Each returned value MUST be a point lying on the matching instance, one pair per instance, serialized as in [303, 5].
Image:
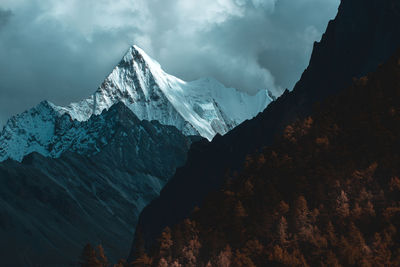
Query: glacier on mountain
[203, 107]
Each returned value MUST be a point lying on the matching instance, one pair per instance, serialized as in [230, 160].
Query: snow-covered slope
[202, 107]
[48, 131]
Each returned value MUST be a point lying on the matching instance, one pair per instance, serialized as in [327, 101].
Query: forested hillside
[364, 33]
[326, 194]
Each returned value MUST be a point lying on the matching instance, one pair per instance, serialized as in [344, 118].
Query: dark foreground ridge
[326, 194]
[365, 33]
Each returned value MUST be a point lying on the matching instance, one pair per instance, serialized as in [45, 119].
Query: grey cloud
[62, 50]
[5, 16]
[244, 50]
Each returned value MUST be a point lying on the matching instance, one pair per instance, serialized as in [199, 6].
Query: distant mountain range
[203, 107]
[82, 173]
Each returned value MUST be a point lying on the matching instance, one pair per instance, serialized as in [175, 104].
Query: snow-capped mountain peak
[139, 82]
[202, 107]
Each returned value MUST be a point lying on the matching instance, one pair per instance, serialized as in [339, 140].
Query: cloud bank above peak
[62, 50]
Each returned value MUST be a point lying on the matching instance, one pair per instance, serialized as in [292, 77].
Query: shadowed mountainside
[327, 193]
[364, 34]
[51, 208]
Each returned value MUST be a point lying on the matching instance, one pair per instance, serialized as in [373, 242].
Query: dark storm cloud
[62, 50]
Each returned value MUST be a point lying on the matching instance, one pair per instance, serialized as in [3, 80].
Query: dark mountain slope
[326, 194]
[51, 208]
[364, 34]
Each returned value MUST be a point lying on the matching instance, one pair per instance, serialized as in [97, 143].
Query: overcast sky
[62, 50]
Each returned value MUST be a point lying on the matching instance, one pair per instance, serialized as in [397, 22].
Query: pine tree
[101, 256]
[162, 263]
[240, 210]
[88, 257]
[342, 205]
[225, 257]
[139, 244]
[166, 243]
[302, 219]
[282, 231]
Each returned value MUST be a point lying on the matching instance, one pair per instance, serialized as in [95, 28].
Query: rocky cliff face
[364, 34]
[50, 208]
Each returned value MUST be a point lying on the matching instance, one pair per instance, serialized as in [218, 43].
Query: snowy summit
[202, 107]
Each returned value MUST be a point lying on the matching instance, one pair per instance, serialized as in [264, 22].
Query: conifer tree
[88, 257]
